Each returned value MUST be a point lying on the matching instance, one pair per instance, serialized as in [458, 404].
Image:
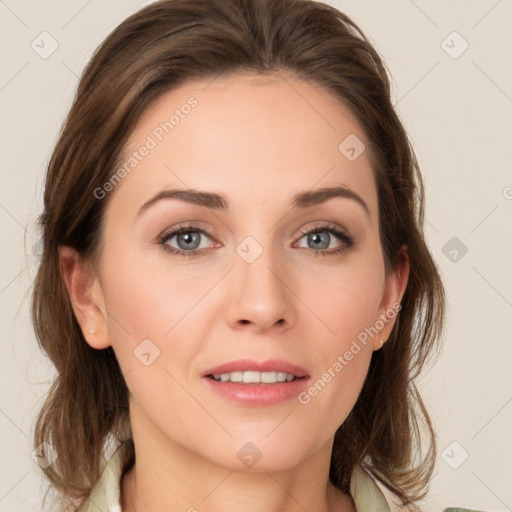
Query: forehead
[247, 135]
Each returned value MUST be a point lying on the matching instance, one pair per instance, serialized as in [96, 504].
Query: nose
[260, 295]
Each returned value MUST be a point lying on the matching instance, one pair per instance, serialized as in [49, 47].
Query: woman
[210, 147]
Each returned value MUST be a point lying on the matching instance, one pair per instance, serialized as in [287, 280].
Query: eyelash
[345, 238]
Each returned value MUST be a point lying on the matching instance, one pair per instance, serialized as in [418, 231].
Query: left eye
[321, 238]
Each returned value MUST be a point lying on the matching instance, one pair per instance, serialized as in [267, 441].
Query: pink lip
[258, 394]
[270, 365]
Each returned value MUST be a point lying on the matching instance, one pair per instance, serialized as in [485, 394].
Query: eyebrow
[215, 201]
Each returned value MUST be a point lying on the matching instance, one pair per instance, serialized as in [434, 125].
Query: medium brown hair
[153, 51]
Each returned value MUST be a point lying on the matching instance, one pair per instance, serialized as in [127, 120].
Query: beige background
[458, 110]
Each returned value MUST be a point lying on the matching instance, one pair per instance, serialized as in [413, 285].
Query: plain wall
[458, 112]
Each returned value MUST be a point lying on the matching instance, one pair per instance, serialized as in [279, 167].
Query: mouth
[250, 371]
[257, 383]
[254, 377]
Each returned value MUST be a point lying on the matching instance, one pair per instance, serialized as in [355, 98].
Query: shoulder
[460, 509]
[367, 495]
[105, 496]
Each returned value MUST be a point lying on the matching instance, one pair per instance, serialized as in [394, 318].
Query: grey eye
[190, 240]
[322, 237]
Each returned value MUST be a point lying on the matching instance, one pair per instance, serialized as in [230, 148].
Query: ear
[394, 290]
[86, 297]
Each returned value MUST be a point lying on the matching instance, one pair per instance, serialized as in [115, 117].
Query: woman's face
[243, 281]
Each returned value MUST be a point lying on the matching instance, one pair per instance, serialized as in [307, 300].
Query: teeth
[252, 377]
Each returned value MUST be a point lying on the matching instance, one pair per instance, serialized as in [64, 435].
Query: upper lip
[270, 365]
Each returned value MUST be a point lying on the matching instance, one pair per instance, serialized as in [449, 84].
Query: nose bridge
[260, 294]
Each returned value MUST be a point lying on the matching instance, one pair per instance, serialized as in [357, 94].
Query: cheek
[345, 304]
[144, 299]
[151, 333]
[155, 309]
[345, 300]
[337, 382]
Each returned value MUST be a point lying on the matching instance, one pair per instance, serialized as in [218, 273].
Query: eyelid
[319, 225]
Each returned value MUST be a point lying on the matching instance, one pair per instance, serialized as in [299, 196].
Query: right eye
[188, 240]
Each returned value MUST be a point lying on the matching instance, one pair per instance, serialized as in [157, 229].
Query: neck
[167, 476]
[138, 496]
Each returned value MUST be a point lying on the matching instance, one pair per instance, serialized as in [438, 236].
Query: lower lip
[258, 394]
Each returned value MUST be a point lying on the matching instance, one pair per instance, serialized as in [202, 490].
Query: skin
[258, 141]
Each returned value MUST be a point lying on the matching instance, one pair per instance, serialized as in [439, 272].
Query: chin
[257, 454]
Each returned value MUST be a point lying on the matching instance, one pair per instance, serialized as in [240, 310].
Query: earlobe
[396, 284]
[86, 297]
